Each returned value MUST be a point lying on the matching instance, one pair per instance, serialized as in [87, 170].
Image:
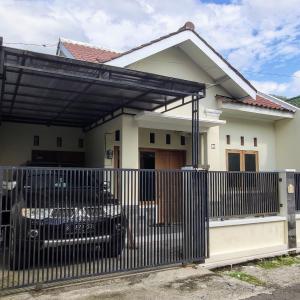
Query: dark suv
[63, 211]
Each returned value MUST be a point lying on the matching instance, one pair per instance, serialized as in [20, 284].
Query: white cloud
[249, 32]
[290, 88]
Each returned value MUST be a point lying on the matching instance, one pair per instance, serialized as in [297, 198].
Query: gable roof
[87, 52]
[186, 36]
[259, 101]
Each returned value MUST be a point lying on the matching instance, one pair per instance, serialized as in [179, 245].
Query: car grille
[63, 213]
[94, 211]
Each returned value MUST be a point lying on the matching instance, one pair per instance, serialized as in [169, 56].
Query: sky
[261, 38]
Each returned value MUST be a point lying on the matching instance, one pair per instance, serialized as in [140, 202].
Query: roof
[260, 101]
[52, 90]
[84, 51]
[87, 52]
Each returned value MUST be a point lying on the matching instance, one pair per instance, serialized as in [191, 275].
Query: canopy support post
[195, 131]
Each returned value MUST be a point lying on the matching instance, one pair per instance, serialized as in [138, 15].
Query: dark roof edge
[203, 40]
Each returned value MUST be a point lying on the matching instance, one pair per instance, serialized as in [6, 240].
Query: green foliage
[279, 262]
[246, 278]
[294, 101]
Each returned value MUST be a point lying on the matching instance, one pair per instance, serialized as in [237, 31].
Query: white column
[213, 148]
[129, 143]
[129, 160]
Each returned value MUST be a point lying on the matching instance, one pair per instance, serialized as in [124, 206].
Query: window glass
[117, 135]
[234, 162]
[182, 140]
[152, 138]
[59, 142]
[36, 140]
[250, 162]
[80, 143]
[228, 139]
[168, 139]
[255, 142]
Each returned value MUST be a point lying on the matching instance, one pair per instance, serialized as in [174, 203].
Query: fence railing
[63, 223]
[242, 194]
[297, 191]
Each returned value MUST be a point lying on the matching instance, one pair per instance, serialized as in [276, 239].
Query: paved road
[192, 282]
[287, 293]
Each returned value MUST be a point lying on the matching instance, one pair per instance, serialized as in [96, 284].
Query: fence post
[288, 205]
[1, 202]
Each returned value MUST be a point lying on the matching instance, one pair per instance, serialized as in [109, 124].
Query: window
[168, 139]
[234, 161]
[80, 143]
[59, 142]
[182, 140]
[255, 142]
[152, 138]
[238, 160]
[242, 141]
[228, 139]
[117, 135]
[250, 162]
[36, 140]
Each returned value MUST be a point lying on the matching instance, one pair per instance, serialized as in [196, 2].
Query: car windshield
[55, 187]
[51, 179]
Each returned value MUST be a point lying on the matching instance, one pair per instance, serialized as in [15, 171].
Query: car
[69, 210]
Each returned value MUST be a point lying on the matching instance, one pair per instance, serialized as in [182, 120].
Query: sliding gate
[63, 223]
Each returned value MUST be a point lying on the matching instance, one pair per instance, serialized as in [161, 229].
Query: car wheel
[19, 255]
[14, 263]
[115, 247]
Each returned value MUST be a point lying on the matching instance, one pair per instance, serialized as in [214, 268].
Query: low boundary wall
[234, 241]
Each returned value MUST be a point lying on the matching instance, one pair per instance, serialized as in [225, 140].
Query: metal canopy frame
[44, 89]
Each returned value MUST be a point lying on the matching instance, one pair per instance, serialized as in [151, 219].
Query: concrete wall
[175, 63]
[16, 141]
[266, 139]
[288, 143]
[102, 138]
[99, 138]
[246, 238]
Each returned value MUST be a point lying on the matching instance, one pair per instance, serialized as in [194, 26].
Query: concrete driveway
[271, 280]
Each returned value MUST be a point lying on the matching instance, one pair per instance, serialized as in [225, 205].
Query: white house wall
[288, 143]
[175, 63]
[16, 141]
[266, 141]
[95, 143]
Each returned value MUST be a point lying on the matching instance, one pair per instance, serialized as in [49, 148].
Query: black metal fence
[297, 191]
[63, 223]
[242, 194]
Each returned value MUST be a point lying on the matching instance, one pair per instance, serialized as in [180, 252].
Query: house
[241, 128]
[133, 119]
[239, 125]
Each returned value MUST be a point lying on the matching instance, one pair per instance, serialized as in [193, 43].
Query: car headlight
[36, 213]
[112, 210]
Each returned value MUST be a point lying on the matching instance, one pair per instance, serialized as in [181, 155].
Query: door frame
[242, 158]
[155, 150]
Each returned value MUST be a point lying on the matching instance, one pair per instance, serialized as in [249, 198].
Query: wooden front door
[168, 184]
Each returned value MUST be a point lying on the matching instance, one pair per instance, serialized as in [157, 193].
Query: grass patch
[246, 278]
[279, 262]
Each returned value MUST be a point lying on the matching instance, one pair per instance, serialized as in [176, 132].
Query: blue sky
[261, 38]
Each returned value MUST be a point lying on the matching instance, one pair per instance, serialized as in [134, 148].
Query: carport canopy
[51, 90]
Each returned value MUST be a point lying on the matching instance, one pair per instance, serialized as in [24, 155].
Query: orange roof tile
[89, 53]
[259, 102]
